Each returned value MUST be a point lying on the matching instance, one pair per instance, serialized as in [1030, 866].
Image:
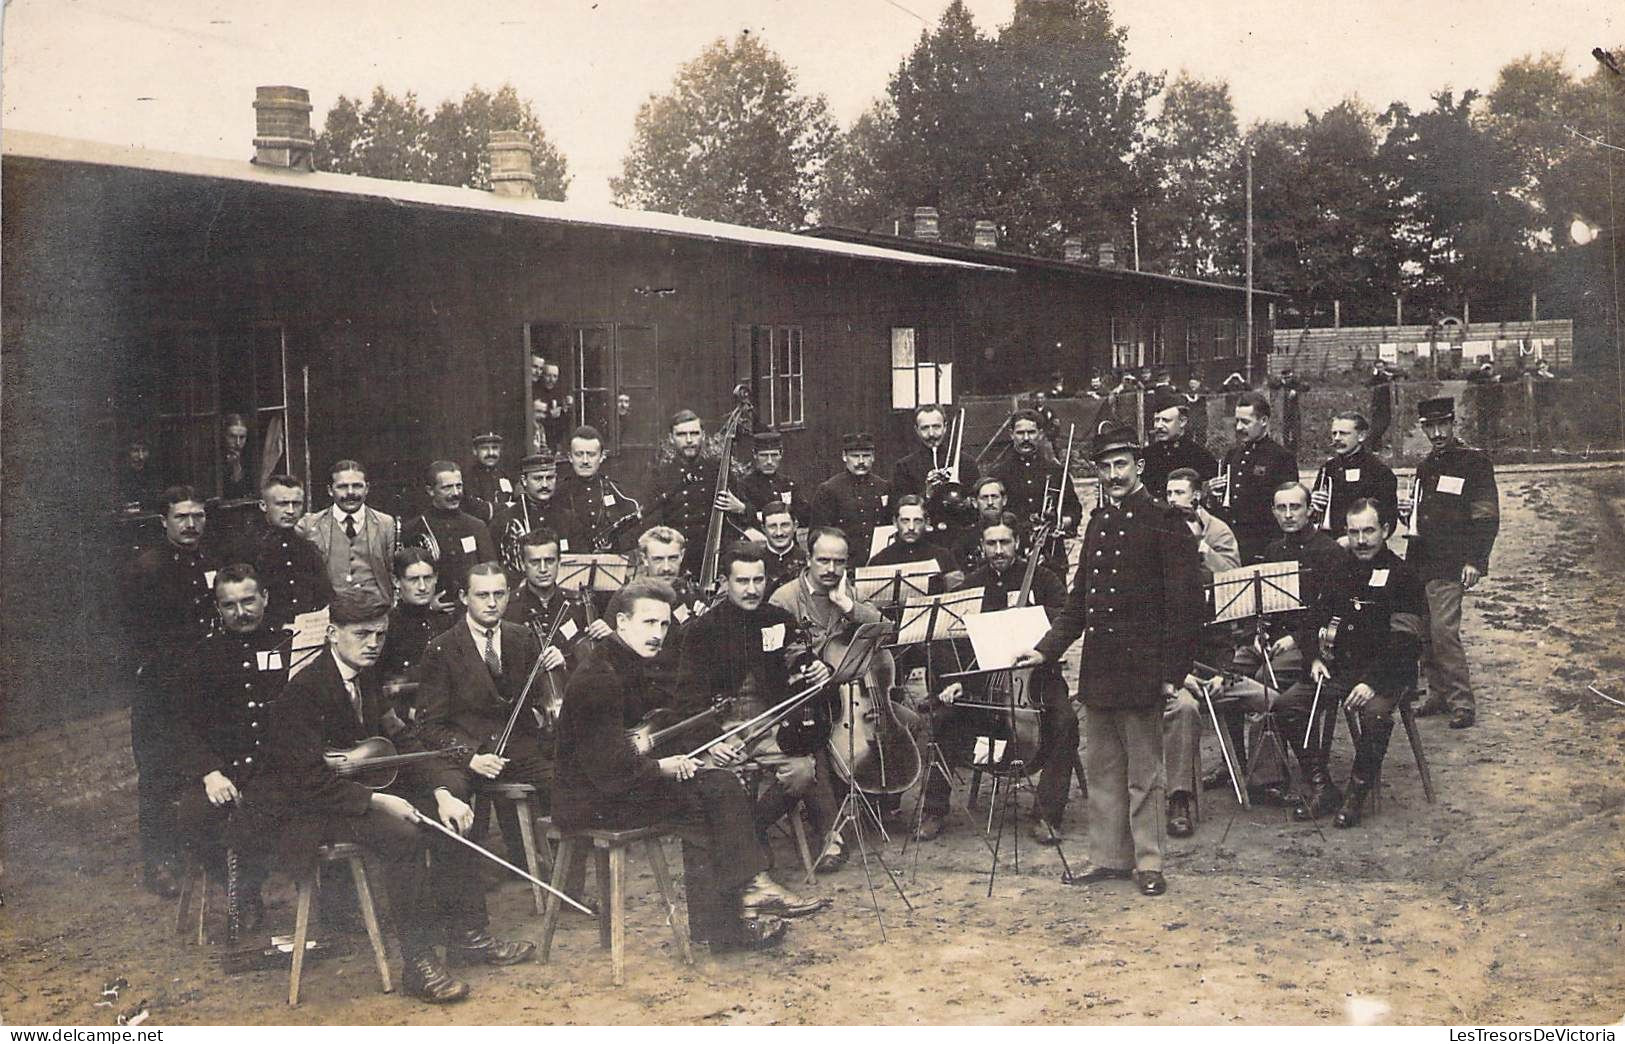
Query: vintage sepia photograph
[869, 513]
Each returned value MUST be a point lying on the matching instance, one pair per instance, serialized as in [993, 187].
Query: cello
[868, 744]
[719, 517]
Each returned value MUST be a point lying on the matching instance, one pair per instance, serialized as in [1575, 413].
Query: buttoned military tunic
[1024, 479]
[1458, 513]
[525, 516]
[855, 505]
[1256, 469]
[489, 491]
[1360, 474]
[783, 565]
[411, 629]
[169, 595]
[1164, 458]
[1380, 606]
[909, 473]
[596, 506]
[225, 708]
[291, 572]
[680, 496]
[459, 541]
[758, 491]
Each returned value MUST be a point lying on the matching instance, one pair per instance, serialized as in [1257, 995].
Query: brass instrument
[1323, 484]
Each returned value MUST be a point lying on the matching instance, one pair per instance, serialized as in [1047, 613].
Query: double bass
[719, 518]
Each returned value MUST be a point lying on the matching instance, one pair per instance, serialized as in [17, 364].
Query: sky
[179, 75]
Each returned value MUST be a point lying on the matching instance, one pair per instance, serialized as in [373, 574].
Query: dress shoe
[1430, 706]
[1045, 834]
[479, 946]
[765, 895]
[1462, 718]
[159, 879]
[1180, 821]
[1349, 815]
[753, 933]
[832, 858]
[1272, 795]
[425, 978]
[1089, 874]
[1324, 797]
[1150, 882]
[930, 828]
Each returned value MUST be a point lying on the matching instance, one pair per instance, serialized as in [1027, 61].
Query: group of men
[441, 625]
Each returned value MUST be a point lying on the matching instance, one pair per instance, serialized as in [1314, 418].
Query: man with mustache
[926, 469]
[855, 501]
[766, 483]
[454, 538]
[784, 558]
[1027, 473]
[1136, 600]
[604, 515]
[1254, 468]
[683, 492]
[536, 507]
[913, 543]
[1350, 473]
[605, 783]
[1213, 538]
[989, 496]
[357, 543]
[1454, 521]
[1380, 603]
[489, 490]
[168, 596]
[1173, 446]
[289, 569]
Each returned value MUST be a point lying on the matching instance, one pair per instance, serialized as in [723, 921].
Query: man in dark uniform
[551, 405]
[1000, 579]
[766, 483]
[1350, 473]
[1455, 517]
[290, 571]
[299, 801]
[604, 516]
[1379, 601]
[453, 537]
[913, 543]
[604, 782]
[1173, 447]
[926, 470]
[537, 507]
[1253, 470]
[784, 558]
[541, 604]
[223, 715]
[1136, 599]
[1027, 473]
[683, 489]
[1292, 387]
[991, 503]
[1195, 399]
[854, 501]
[489, 489]
[417, 618]
[169, 600]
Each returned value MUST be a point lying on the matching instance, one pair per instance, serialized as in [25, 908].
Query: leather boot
[752, 933]
[764, 895]
[1324, 797]
[479, 946]
[427, 979]
[1353, 802]
[159, 879]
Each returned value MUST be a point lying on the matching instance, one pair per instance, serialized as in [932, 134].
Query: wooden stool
[194, 883]
[798, 830]
[1406, 706]
[522, 796]
[351, 853]
[610, 848]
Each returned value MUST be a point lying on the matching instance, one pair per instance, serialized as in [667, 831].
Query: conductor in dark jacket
[299, 801]
[1136, 600]
[604, 782]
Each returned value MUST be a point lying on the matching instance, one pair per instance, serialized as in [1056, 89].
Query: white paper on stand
[997, 637]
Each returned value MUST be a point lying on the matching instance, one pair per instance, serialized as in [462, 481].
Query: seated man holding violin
[605, 782]
[547, 609]
[1043, 714]
[310, 792]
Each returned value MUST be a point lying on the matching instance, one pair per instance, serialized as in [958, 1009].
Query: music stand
[307, 641]
[851, 670]
[885, 586]
[593, 573]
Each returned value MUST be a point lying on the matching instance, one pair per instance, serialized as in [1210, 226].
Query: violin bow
[519, 704]
[778, 710]
[423, 820]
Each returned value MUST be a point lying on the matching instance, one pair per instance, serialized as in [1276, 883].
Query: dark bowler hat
[538, 462]
[489, 436]
[1440, 409]
[1114, 437]
[857, 440]
[767, 440]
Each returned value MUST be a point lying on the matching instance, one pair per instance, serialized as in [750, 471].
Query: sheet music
[880, 539]
[308, 641]
[909, 578]
[997, 637]
[953, 609]
[1235, 596]
[610, 575]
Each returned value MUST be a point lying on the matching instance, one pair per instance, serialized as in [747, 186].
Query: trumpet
[1323, 487]
[1414, 516]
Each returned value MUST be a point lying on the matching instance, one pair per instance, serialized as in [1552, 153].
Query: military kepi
[857, 440]
[1440, 409]
[487, 436]
[538, 462]
[1114, 437]
[767, 440]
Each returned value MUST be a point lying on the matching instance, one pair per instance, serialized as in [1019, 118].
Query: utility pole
[1134, 219]
[1250, 266]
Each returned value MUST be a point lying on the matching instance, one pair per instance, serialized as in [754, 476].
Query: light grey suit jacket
[378, 539]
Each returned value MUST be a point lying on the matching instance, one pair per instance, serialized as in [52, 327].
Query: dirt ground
[1504, 902]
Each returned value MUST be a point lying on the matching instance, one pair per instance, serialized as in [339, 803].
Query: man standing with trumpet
[1251, 472]
[1350, 473]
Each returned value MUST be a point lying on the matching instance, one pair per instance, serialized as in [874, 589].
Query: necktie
[355, 700]
[349, 526]
[492, 660]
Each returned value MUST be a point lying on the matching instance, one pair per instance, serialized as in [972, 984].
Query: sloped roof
[33, 145]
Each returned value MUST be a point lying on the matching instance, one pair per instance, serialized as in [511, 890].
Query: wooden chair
[1406, 706]
[343, 851]
[610, 848]
[521, 797]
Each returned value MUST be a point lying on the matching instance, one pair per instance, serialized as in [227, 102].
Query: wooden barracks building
[388, 321]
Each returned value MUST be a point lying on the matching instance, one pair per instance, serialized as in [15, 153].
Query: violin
[374, 762]
[552, 687]
[657, 728]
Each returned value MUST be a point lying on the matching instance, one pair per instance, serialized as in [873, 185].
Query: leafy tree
[396, 138]
[850, 191]
[731, 141]
[1193, 231]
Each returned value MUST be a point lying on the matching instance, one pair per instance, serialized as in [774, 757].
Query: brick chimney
[511, 173]
[925, 223]
[1072, 248]
[1108, 255]
[987, 235]
[283, 137]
